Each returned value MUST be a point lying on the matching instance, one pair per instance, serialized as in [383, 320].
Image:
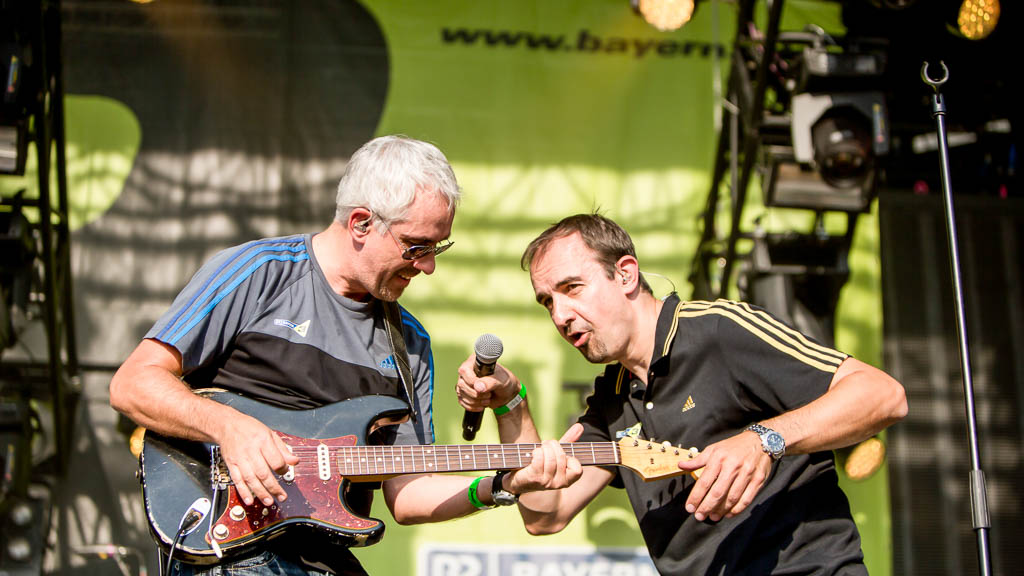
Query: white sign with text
[464, 560]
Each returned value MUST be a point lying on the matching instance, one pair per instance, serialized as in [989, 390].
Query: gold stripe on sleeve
[771, 332]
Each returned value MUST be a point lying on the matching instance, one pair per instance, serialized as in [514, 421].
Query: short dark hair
[606, 239]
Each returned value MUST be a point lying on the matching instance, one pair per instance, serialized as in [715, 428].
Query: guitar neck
[393, 460]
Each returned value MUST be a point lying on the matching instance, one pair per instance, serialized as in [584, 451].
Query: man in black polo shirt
[765, 404]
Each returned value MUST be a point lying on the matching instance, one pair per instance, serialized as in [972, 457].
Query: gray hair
[385, 173]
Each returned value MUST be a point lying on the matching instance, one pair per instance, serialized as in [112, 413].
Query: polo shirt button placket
[650, 380]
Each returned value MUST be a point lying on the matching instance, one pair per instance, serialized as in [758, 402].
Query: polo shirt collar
[665, 333]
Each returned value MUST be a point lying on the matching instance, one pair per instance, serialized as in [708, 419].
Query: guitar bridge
[220, 478]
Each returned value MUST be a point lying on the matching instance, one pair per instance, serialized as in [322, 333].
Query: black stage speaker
[929, 457]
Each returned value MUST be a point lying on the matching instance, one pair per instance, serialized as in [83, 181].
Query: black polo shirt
[717, 368]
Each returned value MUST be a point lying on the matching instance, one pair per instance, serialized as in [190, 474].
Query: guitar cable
[189, 522]
[209, 524]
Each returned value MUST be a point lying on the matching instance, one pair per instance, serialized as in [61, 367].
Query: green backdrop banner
[195, 127]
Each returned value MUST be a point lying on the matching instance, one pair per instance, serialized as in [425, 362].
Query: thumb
[289, 458]
[573, 433]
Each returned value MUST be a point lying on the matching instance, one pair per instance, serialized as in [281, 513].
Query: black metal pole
[979, 501]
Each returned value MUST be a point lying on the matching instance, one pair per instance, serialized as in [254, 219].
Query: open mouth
[578, 339]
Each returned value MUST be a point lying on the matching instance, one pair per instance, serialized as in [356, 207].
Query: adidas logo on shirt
[689, 405]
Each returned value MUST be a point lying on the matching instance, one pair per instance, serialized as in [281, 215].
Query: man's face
[428, 223]
[583, 302]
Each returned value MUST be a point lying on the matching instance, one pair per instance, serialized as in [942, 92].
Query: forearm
[147, 389]
[417, 499]
[517, 426]
[172, 409]
[546, 511]
[861, 402]
[551, 511]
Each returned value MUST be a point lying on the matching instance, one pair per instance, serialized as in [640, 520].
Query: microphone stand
[979, 501]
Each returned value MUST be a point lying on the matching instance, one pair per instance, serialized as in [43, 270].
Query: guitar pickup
[323, 462]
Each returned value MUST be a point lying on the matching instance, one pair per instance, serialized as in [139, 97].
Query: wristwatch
[772, 442]
[501, 496]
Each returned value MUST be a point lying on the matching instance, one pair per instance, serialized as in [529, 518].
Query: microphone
[488, 349]
[195, 514]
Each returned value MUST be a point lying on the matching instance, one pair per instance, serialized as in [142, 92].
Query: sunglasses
[417, 251]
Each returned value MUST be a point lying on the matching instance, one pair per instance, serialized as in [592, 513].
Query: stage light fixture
[978, 18]
[835, 136]
[665, 15]
[13, 148]
[17, 251]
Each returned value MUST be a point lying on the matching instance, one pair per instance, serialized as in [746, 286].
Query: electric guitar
[331, 444]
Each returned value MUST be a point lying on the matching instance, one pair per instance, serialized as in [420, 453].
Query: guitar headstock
[653, 461]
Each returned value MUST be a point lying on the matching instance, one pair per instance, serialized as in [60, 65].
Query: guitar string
[377, 457]
[386, 459]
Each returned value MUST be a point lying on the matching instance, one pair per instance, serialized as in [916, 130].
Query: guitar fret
[375, 460]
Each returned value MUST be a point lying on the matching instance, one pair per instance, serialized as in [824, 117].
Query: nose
[561, 314]
[427, 264]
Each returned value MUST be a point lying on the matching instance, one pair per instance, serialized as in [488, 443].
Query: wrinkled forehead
[560, 261]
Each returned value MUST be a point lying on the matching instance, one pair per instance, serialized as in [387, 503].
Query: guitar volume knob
[220, 531]
[237, 513]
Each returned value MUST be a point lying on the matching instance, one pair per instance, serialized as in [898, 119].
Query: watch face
[503, 498]
[774, 442]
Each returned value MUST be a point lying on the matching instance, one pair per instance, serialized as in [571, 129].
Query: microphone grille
[488, 348]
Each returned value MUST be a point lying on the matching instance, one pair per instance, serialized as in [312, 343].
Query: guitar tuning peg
[665, 446]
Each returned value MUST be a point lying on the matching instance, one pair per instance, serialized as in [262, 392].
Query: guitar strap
[393, 322]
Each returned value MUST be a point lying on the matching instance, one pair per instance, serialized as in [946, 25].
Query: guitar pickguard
[309, 498]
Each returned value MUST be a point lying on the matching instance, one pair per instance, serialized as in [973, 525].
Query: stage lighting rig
[837, 125]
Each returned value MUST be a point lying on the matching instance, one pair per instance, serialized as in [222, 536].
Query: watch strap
[763, 432]
[501, 496]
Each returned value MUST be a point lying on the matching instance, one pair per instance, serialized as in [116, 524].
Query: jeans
[263, 564]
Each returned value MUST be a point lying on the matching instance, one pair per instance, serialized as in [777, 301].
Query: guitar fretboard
[379, 460]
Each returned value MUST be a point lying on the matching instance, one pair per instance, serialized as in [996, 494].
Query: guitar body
[175, 473]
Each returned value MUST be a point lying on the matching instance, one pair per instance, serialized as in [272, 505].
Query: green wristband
[473, 498]
[513, 402]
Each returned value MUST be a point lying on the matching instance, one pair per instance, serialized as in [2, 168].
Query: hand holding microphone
[487, 349]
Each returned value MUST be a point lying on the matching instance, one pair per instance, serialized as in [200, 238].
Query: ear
[359, 221]
[627, 273]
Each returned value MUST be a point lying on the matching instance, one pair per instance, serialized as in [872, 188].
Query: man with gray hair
[301, 322]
